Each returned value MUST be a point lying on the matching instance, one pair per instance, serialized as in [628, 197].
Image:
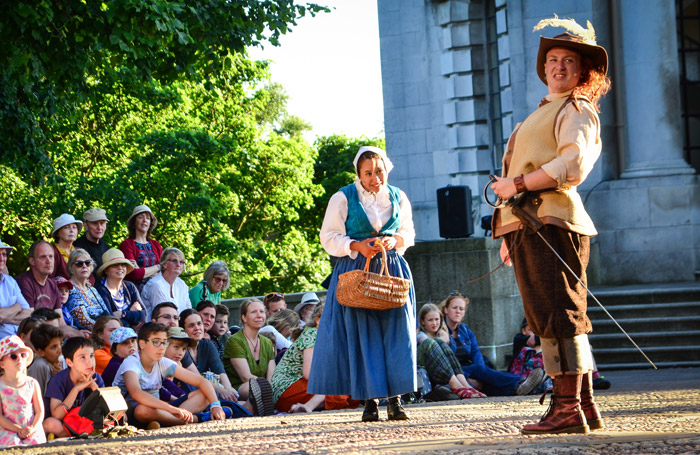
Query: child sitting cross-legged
[68, 389]
[21, 409]
[122, 344]
[46, 340]
[140, 379]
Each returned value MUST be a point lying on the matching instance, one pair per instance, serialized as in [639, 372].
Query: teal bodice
[357, 225]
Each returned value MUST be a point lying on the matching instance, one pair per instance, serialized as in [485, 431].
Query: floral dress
[85, 307]
[17, 406]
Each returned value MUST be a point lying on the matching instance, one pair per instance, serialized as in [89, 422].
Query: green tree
[173, 122]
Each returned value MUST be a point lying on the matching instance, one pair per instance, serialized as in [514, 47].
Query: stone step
[664, 320]
[666, 338]
[646, 294]
[658, 354]
[631, 325]
[650, 310]
[603, 367]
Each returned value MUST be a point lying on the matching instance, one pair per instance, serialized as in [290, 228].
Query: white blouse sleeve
[578, 145]
[406, 229]
[333, 237]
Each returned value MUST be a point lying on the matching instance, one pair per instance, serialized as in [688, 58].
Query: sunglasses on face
[15, 356]
[217, 279]
[273, 295]
[86, 263]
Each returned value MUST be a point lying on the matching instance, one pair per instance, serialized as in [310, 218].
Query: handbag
[372, 291]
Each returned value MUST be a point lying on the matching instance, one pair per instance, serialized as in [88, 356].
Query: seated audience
[281, 324]
[47, 316]
[435, 355]
[204, 354]
[306, 306]
[68, 389]
[207, 310]
[100, 337]
[13, 305]
[140, 378]
[25, 328]
[180, 342]
[167, 286]
[274, 302]
[219, 334]
[216, 280]
[249, 358]
[139, 248]
[46, 340]
[37, 287]
[165, 313]
[122, 343]
[463, 344]
[65, 230]
[95, 223]
[122, 297]
[84, 303]
[291, 377]
[20, 397]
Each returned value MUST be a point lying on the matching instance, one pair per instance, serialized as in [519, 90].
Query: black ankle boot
[395, 411]
[371, 413]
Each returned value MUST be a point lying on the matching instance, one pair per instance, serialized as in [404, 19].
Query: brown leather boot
[590, 410]
[564, 414]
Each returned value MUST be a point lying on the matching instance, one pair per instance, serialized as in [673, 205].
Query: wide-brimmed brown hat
[595, 53]
[112, 257]
[140, 209]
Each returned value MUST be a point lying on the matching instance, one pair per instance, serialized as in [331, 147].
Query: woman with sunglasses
[84, 303]
[216, 280]
[167, 286]
[364, 353]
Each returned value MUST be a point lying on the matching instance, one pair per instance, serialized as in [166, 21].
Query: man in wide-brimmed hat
[555, 150]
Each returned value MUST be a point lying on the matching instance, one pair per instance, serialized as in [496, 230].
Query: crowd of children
[169, 374]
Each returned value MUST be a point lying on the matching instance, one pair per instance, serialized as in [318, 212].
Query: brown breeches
[554, 301]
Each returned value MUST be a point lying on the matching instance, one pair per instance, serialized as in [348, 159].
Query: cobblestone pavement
[645, 412]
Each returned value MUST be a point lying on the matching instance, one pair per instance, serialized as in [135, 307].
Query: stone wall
[495, 309]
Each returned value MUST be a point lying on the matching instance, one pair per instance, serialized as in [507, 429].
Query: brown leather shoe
[590, 409]
[564, 414]
[395, 411]
[371, 412]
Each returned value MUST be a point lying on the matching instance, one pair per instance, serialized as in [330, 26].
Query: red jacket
[131, 252]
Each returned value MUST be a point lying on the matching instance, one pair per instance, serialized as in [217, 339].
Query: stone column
[651, 89]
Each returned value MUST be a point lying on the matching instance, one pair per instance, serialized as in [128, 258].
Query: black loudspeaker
[455, 212]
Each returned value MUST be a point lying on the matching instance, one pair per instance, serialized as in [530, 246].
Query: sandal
[468, 392]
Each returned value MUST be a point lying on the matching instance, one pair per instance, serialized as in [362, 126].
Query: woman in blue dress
[367, 354]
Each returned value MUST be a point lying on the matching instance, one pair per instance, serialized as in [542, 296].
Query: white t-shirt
[282, 342]
[150, 381]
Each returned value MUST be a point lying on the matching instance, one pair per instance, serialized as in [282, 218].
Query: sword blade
[596, 299]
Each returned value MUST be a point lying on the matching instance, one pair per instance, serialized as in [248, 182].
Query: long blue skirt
[365, 353]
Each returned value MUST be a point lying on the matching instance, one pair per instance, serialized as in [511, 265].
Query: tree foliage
[121, 103]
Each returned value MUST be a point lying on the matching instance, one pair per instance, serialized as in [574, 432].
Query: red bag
[76, 425]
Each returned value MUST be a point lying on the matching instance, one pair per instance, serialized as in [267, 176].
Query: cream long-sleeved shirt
[378, 208]
[578, 143]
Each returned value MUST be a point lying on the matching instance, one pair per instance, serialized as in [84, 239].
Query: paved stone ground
[646, 411]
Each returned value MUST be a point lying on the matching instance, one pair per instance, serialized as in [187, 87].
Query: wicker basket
[372, 291]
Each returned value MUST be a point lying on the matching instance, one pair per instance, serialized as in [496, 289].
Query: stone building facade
[459, 74]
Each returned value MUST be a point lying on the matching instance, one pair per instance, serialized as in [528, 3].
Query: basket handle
[385, 268]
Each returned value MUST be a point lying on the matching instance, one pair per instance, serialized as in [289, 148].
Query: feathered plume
[588, 35]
